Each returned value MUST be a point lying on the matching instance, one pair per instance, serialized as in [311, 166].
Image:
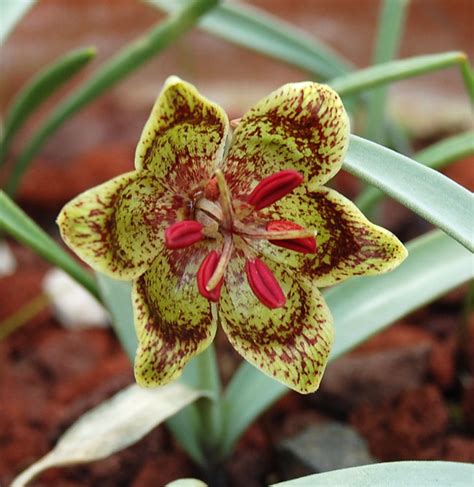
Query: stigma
[217, 215]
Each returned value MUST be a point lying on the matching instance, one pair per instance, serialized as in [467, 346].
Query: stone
[371, 378]
[7, 260]
[73, 306]
[322, 448]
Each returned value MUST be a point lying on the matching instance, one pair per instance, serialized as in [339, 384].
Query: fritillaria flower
[232, 229]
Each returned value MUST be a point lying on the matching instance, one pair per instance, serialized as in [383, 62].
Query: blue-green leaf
[428, 193]
[12, 12]
[393, 474]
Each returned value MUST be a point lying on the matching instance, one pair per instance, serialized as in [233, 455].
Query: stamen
[264, 284]
[306, 245]
[219, 270]
[274, 187]
[205, 271]
[225, 199]
[183, 234]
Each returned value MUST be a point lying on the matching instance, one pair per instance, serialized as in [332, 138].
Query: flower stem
[209, 408]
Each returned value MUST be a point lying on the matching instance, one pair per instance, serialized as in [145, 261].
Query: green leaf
[43, 85]
[127, 60]
[112, 426]
[361, 307]
[406, 474]
[435, 156]
[187, 426]
[259, 31]
[389, 32]
[15, 222]
[385, 73]
[12, 12]
[425, 191]
[116, 295]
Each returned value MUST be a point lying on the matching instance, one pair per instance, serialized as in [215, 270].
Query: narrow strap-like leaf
[435, 156]
[12, 12]
[15, 222]
[259, 31]
[408, 474]
[38, 89]
[430, 194]
[380, 74]
[389, 32]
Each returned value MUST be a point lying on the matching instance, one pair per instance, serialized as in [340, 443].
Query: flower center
[216, 215]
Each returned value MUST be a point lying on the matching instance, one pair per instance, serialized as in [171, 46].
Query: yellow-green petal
[290, 344]
[117, 227]
[301, 126]
[348, 244]
[173, 321]
[184, 137]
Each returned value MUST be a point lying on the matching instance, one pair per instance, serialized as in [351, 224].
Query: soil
[50, 375]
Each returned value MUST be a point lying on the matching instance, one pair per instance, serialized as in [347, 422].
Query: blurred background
[404, 395]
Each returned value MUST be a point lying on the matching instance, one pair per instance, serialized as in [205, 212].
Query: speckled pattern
[119, 228]
[172, 320]
[347, 243]
[292, 343]
[300, 126]
[184, 138]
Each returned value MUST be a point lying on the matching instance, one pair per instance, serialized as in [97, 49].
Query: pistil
[225, 200]
[224, 259]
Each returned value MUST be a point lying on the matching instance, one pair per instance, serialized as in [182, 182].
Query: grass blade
[389, 32]
[415, 186]
[259, 31]
[436, 156]
[122, 64]
[43, 85]
[15, 222]
[361, 307]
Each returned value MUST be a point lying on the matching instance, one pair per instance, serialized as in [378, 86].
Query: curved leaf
[393, 474]
[12, 13]
[112, 426]
[37, 90]
[15, 222]
[364, 79]
[259, 31]
[428, 193]
[435, 156]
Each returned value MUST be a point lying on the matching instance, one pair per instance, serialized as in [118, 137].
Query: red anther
[205, 272]
[305, 245]
[211, 191]
[182, 234]
[274, 187]
[264, 284]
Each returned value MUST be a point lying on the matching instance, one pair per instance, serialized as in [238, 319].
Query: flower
[238, 230]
